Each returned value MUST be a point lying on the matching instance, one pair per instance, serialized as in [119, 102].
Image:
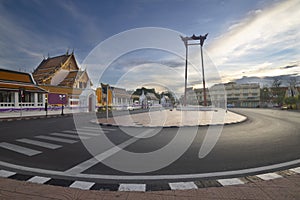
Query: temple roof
[14, 76]
[13, 80]
[70, 78]
[49, 66]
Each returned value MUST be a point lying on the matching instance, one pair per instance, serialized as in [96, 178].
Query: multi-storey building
[243, 95]
[232, 94]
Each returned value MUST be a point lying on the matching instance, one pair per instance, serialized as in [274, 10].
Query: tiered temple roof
[13, 80]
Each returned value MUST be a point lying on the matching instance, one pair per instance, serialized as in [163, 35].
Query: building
[243, 95]
[231, 94]
[65, 82]
[18, 91]
[121, 98]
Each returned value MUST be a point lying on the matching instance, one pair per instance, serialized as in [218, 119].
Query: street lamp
[201, 42]
[62, 96]
[46, 106]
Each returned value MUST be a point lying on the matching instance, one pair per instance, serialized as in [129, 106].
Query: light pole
[201, 39]
[62, 96]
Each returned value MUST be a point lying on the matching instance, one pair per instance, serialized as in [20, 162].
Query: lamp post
[62, 96]
[46, 106]
[201, 39]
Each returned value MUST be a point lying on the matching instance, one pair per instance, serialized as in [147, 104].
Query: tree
[277, 92]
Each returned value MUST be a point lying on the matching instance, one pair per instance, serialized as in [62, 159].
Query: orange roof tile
[13, 76]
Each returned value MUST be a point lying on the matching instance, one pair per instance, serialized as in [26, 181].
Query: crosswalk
[52, 141]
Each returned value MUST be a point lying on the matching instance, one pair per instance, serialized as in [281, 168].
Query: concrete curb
[8, 119]
[141, 126]
[145, 187]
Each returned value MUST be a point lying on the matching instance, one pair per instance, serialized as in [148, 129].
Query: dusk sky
[246, 38]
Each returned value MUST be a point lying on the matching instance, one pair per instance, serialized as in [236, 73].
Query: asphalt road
[268, 137]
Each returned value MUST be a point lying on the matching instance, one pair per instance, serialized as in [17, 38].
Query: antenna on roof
[67, 53]
[48, 56]
[73, 51]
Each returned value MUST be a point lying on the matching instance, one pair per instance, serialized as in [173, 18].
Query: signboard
[54, 98]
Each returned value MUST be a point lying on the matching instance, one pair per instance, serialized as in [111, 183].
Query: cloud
[261, 43]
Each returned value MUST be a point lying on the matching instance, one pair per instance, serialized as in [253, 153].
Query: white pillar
[35, 99]
[16, 99]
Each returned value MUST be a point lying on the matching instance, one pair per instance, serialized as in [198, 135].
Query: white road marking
[230, 181]
[133, 187]
[39, 143]
[19, 149]
[98, 158]
[82, 133]
[39, 179]
[6, 174]
[82, 185]
[296, 170]
[269, 176]
[70, 136]
[98, 132]
[99, 128]
[151, 177]
[183, 186]
[56, 139]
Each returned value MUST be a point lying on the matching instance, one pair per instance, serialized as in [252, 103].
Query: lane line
[19, 149]
[152, 177]
[82, 185]
[70, 136]
[183, 186]
[269, 176]
[98, 158]
[39, 143]
[6, 174]
[230, 181]
[133, 187]
[39, 179]
[56, 139]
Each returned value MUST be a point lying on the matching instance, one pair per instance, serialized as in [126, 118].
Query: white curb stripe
[296, 170]
[39, 179]
[230, 181]
[56, 139]
[183, 186]
[19, 149]
[6, 174]
[132, 187]
[269, 176]
[39, 143]
[82, 185]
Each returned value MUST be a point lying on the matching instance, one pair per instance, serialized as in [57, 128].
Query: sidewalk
[287, 188]
[8, 116]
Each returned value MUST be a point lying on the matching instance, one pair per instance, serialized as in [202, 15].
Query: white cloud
[256, 42]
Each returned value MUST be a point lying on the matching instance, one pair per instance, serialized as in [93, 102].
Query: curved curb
[142, 126]
[196, 184]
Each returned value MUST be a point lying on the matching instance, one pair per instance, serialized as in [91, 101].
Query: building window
[6, 96]
[40, 97]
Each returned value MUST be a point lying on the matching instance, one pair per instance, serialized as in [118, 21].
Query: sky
[258, 38]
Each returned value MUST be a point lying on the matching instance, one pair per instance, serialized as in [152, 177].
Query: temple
[61, 76]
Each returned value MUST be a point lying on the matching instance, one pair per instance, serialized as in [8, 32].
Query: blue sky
[246, 38]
